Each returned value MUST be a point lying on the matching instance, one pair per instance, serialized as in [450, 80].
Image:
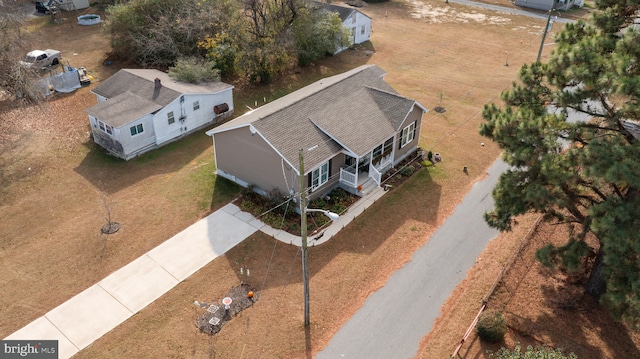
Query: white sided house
[358, 24]
[547, 4]
[139, 110]
[352, 128]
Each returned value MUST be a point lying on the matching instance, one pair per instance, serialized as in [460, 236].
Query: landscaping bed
[279, 212]
[217, 314]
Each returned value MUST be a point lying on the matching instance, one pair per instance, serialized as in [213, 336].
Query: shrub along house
[140, 110]
[352, 128]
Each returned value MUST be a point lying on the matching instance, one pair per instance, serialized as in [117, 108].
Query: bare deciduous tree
[16, 81]
[111, 226]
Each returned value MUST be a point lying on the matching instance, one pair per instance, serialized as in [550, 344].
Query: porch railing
[377, 171]
[348, 176]
[373, 173]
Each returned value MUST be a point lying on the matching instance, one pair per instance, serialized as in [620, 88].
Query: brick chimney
[157, 83]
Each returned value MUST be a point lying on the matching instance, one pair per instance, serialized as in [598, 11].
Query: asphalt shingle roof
[126, 80]
[343, 12]
[122, 109]
[356, 111]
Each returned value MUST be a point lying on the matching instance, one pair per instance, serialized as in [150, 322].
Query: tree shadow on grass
[577, 318]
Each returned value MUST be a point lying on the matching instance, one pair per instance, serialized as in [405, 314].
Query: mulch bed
[216, 316]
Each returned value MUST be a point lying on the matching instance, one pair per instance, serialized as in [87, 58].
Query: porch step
[368, 186]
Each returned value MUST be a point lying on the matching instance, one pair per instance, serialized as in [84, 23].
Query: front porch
[361, 179]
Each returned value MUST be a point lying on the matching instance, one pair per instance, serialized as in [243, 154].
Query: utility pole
[303, 235]
[546, 28]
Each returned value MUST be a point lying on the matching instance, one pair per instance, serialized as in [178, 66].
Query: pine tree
[587, 172]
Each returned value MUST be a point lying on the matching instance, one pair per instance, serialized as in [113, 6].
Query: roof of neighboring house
[343, 12]
[122, 109]
[137, 94]
[142, 83]
[633, 127]
[354, 111]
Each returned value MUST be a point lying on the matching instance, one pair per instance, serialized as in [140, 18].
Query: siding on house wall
[356, 27]
[249, 156]
[131, 144]
[362, 21]
[165, 131]
[252, 157]
[401, 153]
[106, 140]
[334, 178]
[545, 4]
[120, 142]
[194, 119]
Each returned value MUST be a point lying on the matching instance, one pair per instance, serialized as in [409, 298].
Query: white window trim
[171, 118]
[374, 154]
[384, 147]
[321, 175]
[408, 134]
[105, 128]
[196, 105]
[137, 132]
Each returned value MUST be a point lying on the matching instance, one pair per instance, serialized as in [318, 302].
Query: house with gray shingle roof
[140, 109]
[352, 128]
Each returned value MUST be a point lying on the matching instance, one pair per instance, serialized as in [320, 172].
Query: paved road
[394, 319]
[557, 16]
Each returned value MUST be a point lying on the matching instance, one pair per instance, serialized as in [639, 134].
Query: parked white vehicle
[39, 59]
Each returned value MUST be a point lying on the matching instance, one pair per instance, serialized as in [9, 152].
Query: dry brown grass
[54, 180]
[542, 306]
